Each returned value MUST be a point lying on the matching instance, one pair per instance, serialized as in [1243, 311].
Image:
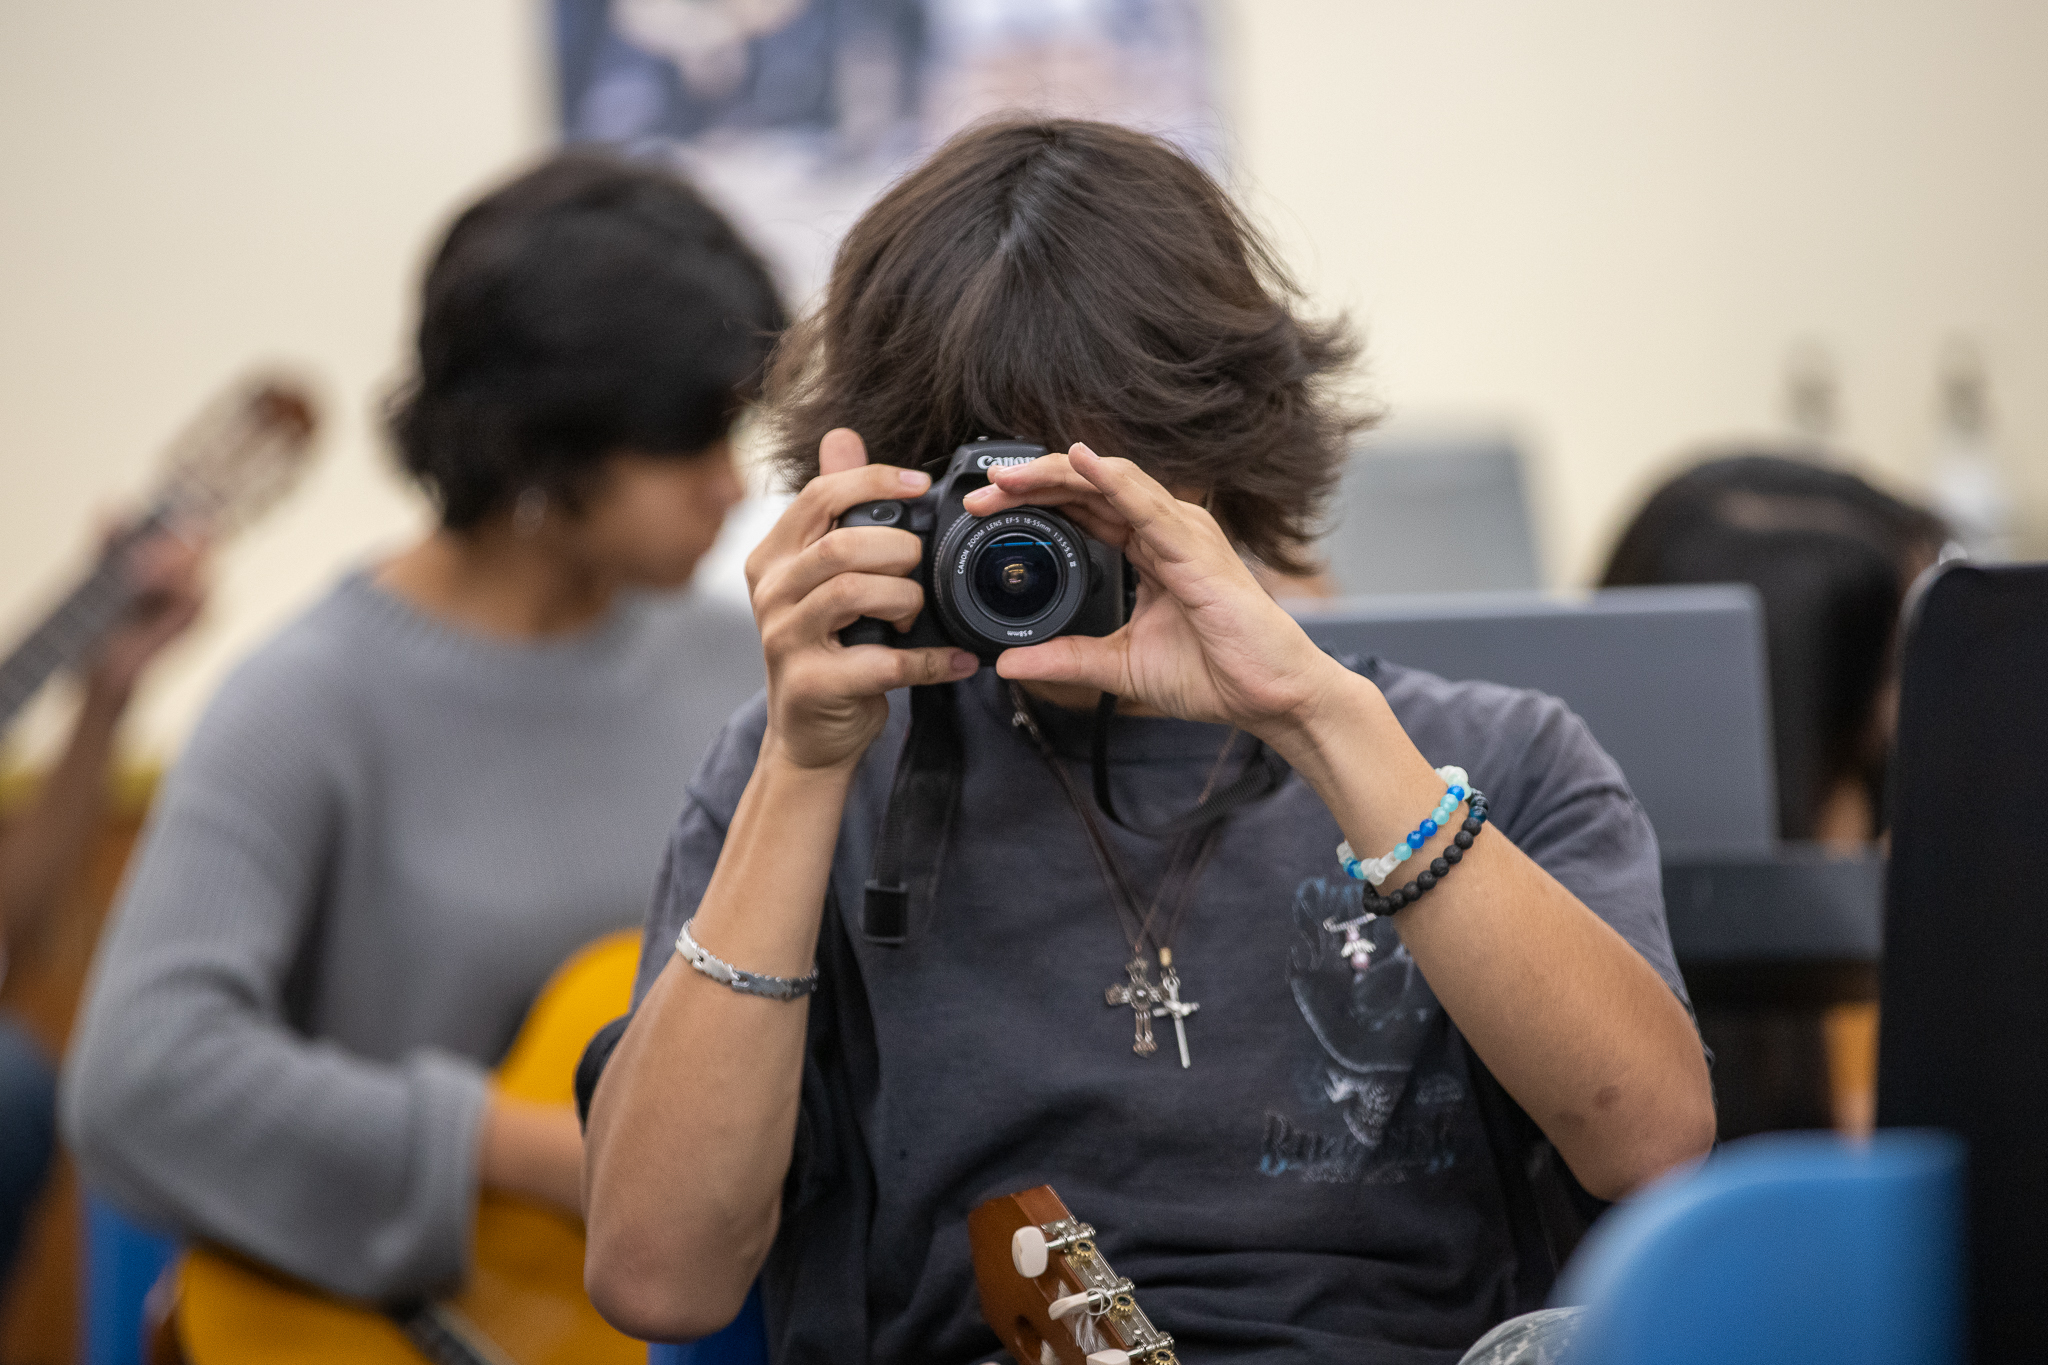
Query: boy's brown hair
[1068, 281]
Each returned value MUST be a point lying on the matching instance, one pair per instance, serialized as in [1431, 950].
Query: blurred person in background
[404, 811]
[1832, 558]
[43, 850]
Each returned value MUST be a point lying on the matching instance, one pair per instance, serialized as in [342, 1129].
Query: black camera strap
[1260, 777]
[918, 824]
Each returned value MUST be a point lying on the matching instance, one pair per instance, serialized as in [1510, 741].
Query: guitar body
[1074, 1310]
[524, 1301]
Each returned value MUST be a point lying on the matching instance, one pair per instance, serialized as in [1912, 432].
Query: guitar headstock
[1049, 1294]
[242, 453]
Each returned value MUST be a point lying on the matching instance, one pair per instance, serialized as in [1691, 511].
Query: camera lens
[1016, 576]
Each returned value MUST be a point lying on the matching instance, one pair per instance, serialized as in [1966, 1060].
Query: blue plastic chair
[123, 1259]
[745, 1342]
[1800, 1249]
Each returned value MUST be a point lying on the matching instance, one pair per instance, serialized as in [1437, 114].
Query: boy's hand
[1205, 641]
[808, 581]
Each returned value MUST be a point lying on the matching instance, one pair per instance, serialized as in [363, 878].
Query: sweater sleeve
[191, 1098]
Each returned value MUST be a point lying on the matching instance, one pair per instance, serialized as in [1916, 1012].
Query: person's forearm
[692, 1126]
[532, 1150]
[1574, 1023]
[43, 850]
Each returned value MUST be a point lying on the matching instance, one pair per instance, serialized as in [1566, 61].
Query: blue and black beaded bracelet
[1377, 870]
[1439, 867]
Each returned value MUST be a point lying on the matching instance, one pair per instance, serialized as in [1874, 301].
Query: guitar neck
[238, 457]
[79, 622]
[445, 1337]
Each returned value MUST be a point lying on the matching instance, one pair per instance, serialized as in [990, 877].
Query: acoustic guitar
[1049, 1294]
[524, 1302]
[242, 453]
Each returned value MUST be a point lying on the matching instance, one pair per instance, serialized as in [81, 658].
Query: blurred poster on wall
[794, 114]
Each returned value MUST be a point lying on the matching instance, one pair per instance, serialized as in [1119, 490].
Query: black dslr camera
[991, 583]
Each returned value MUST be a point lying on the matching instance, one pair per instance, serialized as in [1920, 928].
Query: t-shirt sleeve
[686, 867]
[698, 839]
[1553, 791]
[686, 870]
[1566, 804]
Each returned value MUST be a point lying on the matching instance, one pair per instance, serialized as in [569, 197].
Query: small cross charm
[1171, 1005]
[1140, 996]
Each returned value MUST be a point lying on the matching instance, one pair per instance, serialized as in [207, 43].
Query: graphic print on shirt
[1379, 1097]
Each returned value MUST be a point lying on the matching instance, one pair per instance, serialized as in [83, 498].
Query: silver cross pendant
[1141, 997]
[1171, 1005]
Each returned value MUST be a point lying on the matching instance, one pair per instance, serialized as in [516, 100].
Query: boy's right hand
[809, 580]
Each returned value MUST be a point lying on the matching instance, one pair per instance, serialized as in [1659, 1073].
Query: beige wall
[192, 187]
[1607, 223]
[1604, 224]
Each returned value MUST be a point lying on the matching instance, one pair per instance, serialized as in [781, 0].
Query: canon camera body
[1020, 577]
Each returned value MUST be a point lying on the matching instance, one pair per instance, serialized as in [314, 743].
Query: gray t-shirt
[1319, 1186]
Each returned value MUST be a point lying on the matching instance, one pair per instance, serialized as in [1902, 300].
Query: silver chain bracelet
[748, 983]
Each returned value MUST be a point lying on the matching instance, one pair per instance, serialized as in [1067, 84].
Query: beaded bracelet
[1439, 868]
[1428, 876]
[1377, 870]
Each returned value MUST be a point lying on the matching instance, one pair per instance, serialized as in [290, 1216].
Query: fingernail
[965, 663]
[1080, 448]
[915, 478]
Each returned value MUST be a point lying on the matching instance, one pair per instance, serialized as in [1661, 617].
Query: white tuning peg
[1072, 1303]
[1047, 1355]
[1109, 1357]
[1027, 1252]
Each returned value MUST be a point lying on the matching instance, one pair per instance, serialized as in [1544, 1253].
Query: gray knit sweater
[379, 842]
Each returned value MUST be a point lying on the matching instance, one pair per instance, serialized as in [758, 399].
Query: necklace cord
[1261, 776]
[1195, 839]
[1122, 900]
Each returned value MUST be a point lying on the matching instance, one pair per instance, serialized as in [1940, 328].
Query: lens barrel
[1011, 579]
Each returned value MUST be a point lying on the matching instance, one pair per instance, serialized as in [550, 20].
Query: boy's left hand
[1205, 641]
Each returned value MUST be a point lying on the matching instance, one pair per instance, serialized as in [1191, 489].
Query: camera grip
[869, 630]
